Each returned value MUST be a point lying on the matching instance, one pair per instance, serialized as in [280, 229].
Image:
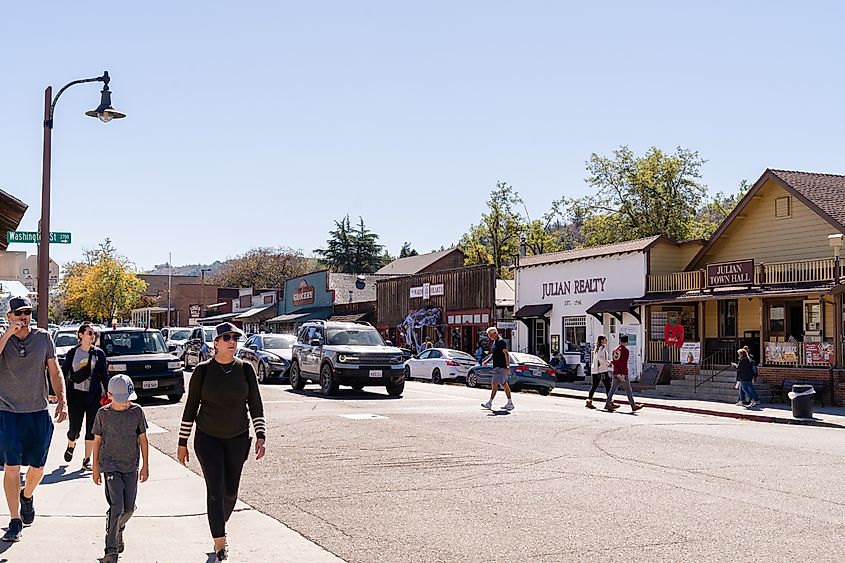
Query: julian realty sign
[723, 274]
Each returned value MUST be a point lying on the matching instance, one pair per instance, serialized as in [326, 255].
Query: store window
[612, 326]
[574, 334]
[540, 346]
[685, 315]
[727, 319]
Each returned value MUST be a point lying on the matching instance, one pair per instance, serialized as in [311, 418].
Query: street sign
[32, 236]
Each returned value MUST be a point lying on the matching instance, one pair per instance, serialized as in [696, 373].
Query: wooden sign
[725, 274]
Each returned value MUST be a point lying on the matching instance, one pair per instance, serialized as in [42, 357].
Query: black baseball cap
[225, 328]
[18, 303]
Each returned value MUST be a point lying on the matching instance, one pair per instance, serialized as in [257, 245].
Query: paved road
[436, 478]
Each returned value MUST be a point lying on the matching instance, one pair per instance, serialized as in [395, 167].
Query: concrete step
[689, 385]
[721, 397]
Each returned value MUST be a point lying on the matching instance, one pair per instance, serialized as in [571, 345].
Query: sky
[260, 123]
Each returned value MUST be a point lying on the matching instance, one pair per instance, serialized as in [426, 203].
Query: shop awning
[348, 318]
[257, 314]
[614, 307]
[768, 292]
[289, 318]
[533, 311]
[216, 319]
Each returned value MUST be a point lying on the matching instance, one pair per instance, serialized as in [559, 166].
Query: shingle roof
[637, 245]
[11, 213]
[415, 264]
[826, 191]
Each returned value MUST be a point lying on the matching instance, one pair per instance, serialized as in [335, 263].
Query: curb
[734, 415]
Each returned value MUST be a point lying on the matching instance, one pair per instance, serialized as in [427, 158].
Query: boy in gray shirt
[120, 430]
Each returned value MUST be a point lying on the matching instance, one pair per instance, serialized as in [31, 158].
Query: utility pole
[169, 284]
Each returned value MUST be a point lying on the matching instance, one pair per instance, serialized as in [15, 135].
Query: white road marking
[362, 416]
[155, 429]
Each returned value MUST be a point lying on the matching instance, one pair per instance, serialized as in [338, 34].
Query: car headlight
[117, 367]
[346, 359]
[272, 357]
[174, 365]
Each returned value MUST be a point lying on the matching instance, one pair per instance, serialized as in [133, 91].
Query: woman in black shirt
[220, 393]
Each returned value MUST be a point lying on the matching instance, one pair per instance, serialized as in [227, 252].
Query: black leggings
[222, 461]
[78, 406]
[597, 377]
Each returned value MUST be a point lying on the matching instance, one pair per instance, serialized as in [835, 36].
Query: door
[415, 364]
[433, 362]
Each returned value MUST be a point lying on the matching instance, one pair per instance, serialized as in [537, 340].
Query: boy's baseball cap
[19, 303]
[122, 389]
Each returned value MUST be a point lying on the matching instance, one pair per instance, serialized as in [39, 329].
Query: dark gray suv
[341, 353]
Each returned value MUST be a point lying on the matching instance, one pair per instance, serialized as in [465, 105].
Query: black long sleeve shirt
[218, 398]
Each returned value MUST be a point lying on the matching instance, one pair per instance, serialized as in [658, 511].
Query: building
[16, 265]
[769, 278]
[565, 300]
[11, 213]
[424, 263]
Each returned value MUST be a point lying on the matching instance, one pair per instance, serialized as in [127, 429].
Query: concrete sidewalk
[169, 525]
[830, 417]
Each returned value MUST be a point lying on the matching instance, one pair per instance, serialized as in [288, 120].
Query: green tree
[352, 250]
[407, 251]
[265, 267]
[715, 210]
[496, 238]
[637, 197]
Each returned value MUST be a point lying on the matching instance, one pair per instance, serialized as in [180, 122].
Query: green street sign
[32, 236]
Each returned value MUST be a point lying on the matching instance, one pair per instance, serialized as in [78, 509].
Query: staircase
[720, 387]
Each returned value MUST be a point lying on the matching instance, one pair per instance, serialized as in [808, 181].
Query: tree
[637, 197]
[101, 286]
[352, 250]
[407, 251]
[265, 267]
[716, 209]
[495, 240]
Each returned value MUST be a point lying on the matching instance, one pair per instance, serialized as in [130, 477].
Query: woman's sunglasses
[230, 336]
[22, 313]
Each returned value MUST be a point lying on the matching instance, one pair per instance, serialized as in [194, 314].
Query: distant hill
[188, 270]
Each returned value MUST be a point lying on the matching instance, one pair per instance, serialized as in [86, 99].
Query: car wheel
[395, 389]
[358, 387]
[472, 379]
[175, 398]
[544, 391]
[262, 373]
[435, 377]
[407, 373]
[296, 381]
[327, 381]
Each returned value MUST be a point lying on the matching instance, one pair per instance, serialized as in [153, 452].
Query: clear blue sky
[258, 123]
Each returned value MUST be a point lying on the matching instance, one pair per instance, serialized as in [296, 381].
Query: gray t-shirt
[80, 360]
[119, 449]
[23, 372]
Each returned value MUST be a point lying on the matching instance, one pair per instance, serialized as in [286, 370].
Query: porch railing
[658, 351]
[799, 354]
[679, 281]
[714, 365]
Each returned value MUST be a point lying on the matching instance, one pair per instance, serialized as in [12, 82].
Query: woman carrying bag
[87, 373]
[599, 369]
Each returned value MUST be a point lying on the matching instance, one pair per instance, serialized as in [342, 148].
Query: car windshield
[117, 343]
[458, 355]
[354, 337]
[209, 335]
[66, 339]
[279, 342]
[180, 334]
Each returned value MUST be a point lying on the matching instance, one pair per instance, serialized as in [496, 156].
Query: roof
[533, 311]
[416, 264]
[342, 284]
[505, 294]
[290, 317]
[638, 245]
[257, 314]
[11, 213]
[612, 305]
[347, 318]
[216, 318]
[822, 193]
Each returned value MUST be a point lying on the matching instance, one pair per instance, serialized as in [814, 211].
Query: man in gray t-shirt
[25, 425]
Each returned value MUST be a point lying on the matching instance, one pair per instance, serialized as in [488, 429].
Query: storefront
[307, 298]
[769, 279]
[449, 308]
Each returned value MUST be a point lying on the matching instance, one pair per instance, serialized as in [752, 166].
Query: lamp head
[104, 112]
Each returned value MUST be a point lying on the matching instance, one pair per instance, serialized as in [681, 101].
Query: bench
[566, 371]
[786, 387]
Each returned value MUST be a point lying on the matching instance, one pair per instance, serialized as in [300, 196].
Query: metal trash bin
[802, 397]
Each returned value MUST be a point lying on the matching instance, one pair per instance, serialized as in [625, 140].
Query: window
[279, 342]
[686, 316]
[783, 207]
[612, 325]
[727, 319]
[435, 354]
[425, 354]
[574, 334]
[268, 300]
[539, 334]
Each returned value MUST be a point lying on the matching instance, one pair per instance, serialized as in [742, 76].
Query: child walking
[120, 430]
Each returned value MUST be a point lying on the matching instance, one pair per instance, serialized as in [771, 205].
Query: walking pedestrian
[745, 377]
[599, 369]
[620, 375]
[501, 369]
[86, 370]
[220, 393]
[25, 425]
[120, 432]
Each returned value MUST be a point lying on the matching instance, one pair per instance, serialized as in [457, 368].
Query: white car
[175, 340]
[64, 340]
[439, 364]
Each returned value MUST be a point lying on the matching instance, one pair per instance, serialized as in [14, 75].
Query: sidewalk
[169, 525]
[829, 417]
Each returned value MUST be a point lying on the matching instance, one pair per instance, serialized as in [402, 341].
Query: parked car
[269, 354]
[526, 372]
[64, 339]
[142, 355]
[175, 339]
[439, 364]
[334, 353]
[199, 347]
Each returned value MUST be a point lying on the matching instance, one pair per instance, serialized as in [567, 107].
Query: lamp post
[835, 241]
[202, 295]
[105, 113]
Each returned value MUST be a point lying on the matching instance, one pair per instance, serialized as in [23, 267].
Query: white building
[565, 300]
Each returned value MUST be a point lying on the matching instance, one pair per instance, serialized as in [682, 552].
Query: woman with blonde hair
[599, 369]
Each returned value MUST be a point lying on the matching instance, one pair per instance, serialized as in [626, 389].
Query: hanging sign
[427, 290]
[724, 274]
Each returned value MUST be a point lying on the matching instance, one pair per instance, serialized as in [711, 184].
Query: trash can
[802, 400]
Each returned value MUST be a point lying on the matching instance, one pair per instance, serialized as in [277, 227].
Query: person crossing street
[501, 369]
[619, 361]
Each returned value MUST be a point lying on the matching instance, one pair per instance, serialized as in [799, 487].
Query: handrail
[721, 360]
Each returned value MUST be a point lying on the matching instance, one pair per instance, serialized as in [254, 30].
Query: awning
[216, 319]
[216, 305]
[288, 318]
[614, 307]
[767, 292]
[533, 311]
[257, 314]
[348, 318]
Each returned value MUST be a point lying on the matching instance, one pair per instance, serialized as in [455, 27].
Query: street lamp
[202, 295]
[835, 241]
[105, 113]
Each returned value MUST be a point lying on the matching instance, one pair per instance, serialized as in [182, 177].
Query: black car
[142, 355]
[269, 354]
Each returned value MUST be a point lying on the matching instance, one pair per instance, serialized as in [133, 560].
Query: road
[432, 476]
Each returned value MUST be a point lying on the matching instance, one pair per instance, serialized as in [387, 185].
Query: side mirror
[252, 347]
[316, 342]
[388, 343]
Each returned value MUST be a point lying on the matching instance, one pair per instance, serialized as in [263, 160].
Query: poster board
[691, 353]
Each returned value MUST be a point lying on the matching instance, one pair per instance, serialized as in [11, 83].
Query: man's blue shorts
[25, 437]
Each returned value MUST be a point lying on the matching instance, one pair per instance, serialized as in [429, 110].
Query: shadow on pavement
[344, 395]
[500, 412]
[60, 474]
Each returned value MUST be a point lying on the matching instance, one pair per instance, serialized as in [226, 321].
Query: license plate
[375, 373]
[149, 384]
